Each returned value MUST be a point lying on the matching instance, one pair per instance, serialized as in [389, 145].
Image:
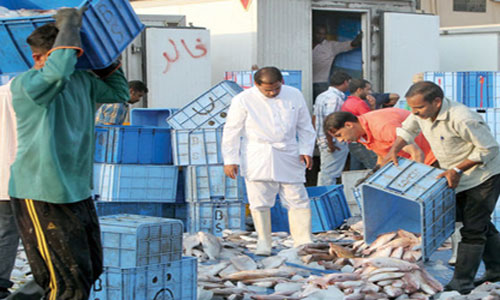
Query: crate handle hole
[169, 276]
[155, 279]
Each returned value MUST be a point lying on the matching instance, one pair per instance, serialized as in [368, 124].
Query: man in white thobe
[269, 134]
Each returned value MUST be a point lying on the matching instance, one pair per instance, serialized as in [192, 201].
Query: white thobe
[265, 136]
[8, 140]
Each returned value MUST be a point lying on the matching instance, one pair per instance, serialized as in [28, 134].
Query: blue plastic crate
[452, 84]
[492, 117]
[133, 145]
[495, 218]
[155, 117]
[245, 78]
[130, 241]
[108, 27]
[409, 197]
[136, 183]
[215, 216]
[208, 183]
[152, 209]
[329, 209]
[174, 280]
[208, 110]
[197, 146]
[479, 89]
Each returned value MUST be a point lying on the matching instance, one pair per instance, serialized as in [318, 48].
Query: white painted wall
[233, 30]
[469, 52]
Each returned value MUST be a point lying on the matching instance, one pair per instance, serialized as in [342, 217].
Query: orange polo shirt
[380, 127]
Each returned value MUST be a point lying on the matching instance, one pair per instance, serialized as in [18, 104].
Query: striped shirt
[327, 102]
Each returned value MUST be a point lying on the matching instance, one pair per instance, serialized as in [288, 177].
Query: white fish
[242, 275]
[228, 271]
[264, 284]
[244, 263]
[419, 296]
[424, 276]
[397, 253]
[189, 242]
[383, 283]
[288, 287]
[272, 262]
[383, 262]
[228, 291]
[385, 276]
[398, 283]
[382, 240]
[349, 284]
[393, 292]
[211, 245]
[369, 287]
[339, 277]
[202, 256]
[404, 297]
[204, 294]
[355, 296]
[376, 296]
[382, 270]
[212, 270]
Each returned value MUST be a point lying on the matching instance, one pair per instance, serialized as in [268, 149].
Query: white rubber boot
[262, 224]
[300, 226]
[456, 237]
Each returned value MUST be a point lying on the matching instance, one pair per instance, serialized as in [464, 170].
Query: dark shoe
[29, 291]
[4, 292]
[491, 259]
[468, 260]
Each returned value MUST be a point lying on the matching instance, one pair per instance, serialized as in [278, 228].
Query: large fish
[244, 275]
[387, 262]
[211, 244]
[244, 263]
[339, 251]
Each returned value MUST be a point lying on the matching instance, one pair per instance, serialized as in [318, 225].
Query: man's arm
[405, 135]
[415, 152]
[306, 135]
[112, 89]
[231, 137]
[393, 99]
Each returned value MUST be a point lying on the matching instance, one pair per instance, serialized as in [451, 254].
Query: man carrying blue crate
[51, 177]
[117, 113]
[269, 134]
[464, 146]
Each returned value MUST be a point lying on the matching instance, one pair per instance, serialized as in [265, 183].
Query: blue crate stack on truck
[481, 92]
[214, 202]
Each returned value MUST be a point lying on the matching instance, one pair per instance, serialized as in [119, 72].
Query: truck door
[410, 46]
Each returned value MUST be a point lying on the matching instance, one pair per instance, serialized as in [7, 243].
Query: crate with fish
[153, 117]
[108, 27]
[197, 146]
[132, 240]
[208, 110]
[152, 209]
[136, 183]
[329, 209]
[209, 183]
[215, 216]
[409, 197]
[133, 145]
[173, 280]
[452, 84]
[245, 78]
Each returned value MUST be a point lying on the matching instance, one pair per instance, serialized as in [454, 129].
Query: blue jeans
[361, 158]
[332, 164]
[9, 241]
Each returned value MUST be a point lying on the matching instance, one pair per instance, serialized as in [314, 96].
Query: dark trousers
[361, 158]
[474, 209]
[63, 245]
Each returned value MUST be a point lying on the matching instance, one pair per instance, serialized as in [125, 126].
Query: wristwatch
[459, 172]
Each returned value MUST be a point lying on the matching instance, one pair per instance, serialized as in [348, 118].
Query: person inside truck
[269, 137]
[465, 147]
[51, 177]
[116, 113]
[323, 55]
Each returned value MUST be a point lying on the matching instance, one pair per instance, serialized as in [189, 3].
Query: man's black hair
[268, 75]
[336, 120]
[428, 89]
[138, 85]
[43, 37]
[356, 84]
[339, 78]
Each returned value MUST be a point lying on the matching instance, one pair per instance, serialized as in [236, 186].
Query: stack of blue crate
[133, 171]
[142, 259]
[481, 92]
[214, 202]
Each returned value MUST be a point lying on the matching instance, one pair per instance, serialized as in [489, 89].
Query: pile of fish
[9, 13]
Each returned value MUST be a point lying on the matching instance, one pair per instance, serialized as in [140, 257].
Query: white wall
[233, 30]
[469, 52]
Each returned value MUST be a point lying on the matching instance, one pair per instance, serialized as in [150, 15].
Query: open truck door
[410, 46]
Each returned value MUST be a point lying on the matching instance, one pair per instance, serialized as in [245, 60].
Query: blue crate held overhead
[409, 197]
[215, 216]
[197, 146]
[130, 241]
[133, 145]
[329, 209]
[156, 117]
[174, 280]
[136, 183]
[108, 27]
[208, 183]
[245, 78]
[152, 209]
[208, 110]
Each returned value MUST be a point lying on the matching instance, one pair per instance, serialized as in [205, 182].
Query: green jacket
[55, 108]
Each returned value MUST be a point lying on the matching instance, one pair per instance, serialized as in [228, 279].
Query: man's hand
[391, 156]
[307, 160]
[372, 101]
[452, 177]
[231, 171]
[331, 144]
[332, 148]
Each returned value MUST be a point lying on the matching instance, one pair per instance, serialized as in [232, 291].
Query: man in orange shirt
[376, 130]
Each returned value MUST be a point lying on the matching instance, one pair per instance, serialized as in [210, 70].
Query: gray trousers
[9, 241]
[361, 158]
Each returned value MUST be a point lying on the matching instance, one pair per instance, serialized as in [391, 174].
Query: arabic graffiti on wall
[173, 54]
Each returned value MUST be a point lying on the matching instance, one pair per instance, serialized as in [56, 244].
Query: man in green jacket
[51, 178]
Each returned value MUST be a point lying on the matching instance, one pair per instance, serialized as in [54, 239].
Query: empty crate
[409, 197]
[156, 117]
[214, 217]
[208, 110]
[135, 183]
[329, 209]
[245, 78]
[207, 183]
[197, 146]
[133, 145]
[108, 26]
[174, 280]
[131, 240]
